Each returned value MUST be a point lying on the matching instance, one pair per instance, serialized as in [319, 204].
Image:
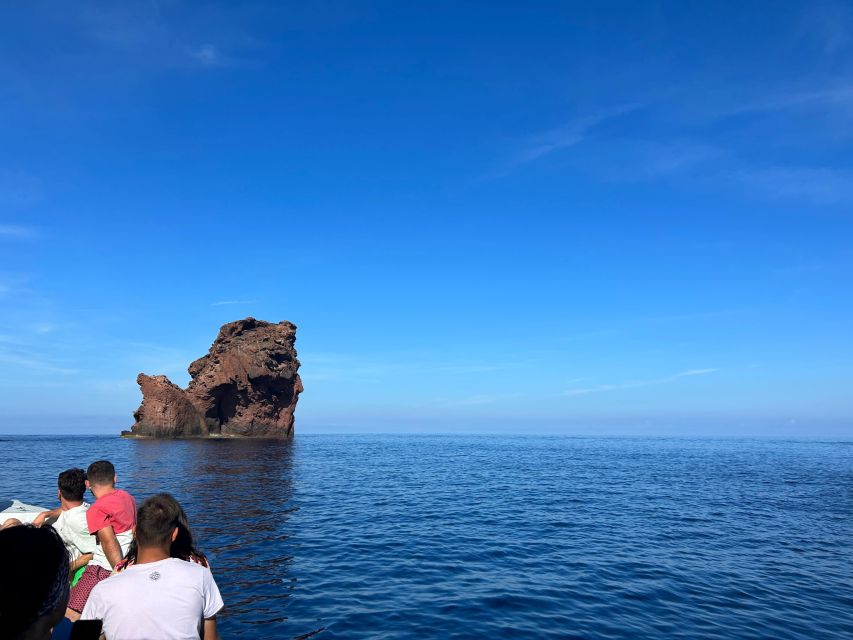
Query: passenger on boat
[70, 517]
[111, 520]
[34, 591]
[158, 596]
[183, 546]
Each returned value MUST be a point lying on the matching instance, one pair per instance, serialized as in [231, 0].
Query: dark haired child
[110, 520]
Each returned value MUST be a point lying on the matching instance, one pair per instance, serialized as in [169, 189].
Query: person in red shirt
[111, 519]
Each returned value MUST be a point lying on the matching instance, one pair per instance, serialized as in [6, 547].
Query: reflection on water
[238, 497]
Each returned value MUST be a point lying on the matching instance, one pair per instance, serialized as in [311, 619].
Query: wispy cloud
[676, 157]
[691, 316]
[818, 98]
[801, 269]
[225, 302]
[38, 366]
[16, 231]
[329, 366]
[15, 284]
[155, 358]
[820, 186]
[595, 334]
[480, 399]
[156, 36]
[829, 25]
[208, 55]
[565, 136]
[633, 384]
[17, 353]
[701, 144]
[711, 167]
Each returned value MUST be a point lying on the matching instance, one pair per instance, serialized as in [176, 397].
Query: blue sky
[529, 217]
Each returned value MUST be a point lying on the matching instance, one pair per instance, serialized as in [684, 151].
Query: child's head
[101, 474]
[72, 484]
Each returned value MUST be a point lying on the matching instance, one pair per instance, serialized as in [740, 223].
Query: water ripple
[502, 537]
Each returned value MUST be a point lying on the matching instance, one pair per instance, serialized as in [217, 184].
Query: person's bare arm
[110, 545]
[44, 515]
[208, 631]
[82, 561]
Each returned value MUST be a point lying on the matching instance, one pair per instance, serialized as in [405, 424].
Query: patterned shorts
[80, 591]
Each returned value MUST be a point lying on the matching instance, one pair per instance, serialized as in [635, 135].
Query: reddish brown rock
[166, 411]
[247, 385]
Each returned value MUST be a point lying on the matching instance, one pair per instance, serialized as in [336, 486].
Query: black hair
[101, 472]
[183, 546]
[72, 484]
[36, 565]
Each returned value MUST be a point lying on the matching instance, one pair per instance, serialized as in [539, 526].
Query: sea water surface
[499, 537]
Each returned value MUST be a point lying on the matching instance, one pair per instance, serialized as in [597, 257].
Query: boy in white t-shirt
[158, 596]
[71, 517]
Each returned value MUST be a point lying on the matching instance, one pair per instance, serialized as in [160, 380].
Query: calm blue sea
[500, 537]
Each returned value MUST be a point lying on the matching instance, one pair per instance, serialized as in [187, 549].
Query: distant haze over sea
[685, 427]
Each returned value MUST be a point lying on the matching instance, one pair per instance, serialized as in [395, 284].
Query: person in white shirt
[158, 596]
[71, 517]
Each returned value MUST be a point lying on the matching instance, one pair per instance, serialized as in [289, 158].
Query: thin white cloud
[704, 166]
[828, 25]
[33, 364]
[820, 186]
[224, 302]
[474, 400]
[677, 157]
[562, 137]
[44, 327]
[156, 37]
[480, 399]
[688, 317]
[826, 97]
[16, 231]
[583, 336]
[638, 383]
[330, 366]
[208, 55]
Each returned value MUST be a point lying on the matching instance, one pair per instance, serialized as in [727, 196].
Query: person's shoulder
[79, 511]
[188, 570]
[185, 566]
[97, 511]
[124, 496]
[130, 574]
[110, 502]
[107, 586]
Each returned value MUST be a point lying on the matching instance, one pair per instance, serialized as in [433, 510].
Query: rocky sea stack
[246, 386]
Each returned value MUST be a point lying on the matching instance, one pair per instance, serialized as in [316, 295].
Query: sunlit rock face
[246, 386]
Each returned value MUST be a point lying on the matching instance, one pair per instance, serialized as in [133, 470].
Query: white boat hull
[26, 513]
